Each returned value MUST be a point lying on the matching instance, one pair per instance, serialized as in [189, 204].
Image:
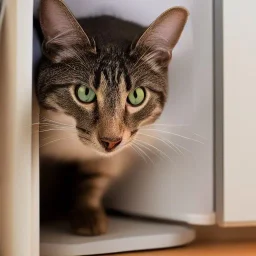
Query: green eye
[136, 97]
[85, 94]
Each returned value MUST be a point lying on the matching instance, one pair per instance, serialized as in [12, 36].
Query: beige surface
[15, 133]
[203, 249]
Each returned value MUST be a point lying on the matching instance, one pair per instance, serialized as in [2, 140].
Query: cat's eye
[136, 97]
[85, 94]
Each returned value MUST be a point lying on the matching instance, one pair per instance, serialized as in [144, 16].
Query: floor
[202, 249]
[212, 241]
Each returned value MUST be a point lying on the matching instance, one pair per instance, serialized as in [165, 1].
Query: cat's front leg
[88, 216]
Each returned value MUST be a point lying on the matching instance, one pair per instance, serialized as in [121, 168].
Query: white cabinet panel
[239, 114]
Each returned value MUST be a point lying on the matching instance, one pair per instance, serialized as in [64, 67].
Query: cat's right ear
[63, 35]
[163, 34]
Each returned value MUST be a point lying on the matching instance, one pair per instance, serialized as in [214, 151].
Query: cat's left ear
[62, 33]
[163, 34]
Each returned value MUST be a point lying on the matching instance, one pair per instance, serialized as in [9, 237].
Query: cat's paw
[89, 221]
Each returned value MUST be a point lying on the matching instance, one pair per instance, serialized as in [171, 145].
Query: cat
[101, 79]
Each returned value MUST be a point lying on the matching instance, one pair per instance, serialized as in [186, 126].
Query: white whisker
[155, 149]
[144, 153]
[140, 144]
[162, 140]
[138, 152]
[189, 152]
[52, 136]
[52, 124]
[183, 148]
[55, 122]
[60, 129]
[175, 134]
[174, 145]
[53, 141]
[170, 125]
[167, 125]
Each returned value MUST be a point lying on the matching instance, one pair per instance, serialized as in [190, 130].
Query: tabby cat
[100, 80]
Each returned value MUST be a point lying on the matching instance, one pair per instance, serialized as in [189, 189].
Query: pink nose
[110, 143]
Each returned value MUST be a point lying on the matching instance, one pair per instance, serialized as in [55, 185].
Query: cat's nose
[110, 143]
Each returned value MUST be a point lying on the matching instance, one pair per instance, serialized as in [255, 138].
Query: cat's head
[110, 91]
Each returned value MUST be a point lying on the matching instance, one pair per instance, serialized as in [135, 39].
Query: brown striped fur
[113, 57]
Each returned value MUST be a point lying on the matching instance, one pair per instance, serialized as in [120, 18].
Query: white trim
[124, 235]
[199, 219]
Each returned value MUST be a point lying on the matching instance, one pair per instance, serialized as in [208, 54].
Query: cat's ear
[163, 34]
[62, 33]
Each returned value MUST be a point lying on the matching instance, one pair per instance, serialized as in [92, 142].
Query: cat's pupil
[135, 94]
[86, 91]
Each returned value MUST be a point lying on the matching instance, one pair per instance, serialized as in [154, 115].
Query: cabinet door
[235, 112]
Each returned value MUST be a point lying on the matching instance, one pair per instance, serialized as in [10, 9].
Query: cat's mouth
[115, 144]
[110, 144]
[107, 145]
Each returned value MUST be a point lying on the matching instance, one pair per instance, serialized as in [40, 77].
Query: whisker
[162, 140]
[174, 145]
[55, 126]
[170, 125]
[54, 141]
[140, 144]
[144, 153]
[52, 136]
[51, 127]
[179, 147]
[183, 148]
[55, 122]
[135, 149]
[51, 124]
[155, 148]
[48, 130]
[189, 152]
[59, 129]
[175, 134]
[167, 125]
[198, 135]
[139, 153]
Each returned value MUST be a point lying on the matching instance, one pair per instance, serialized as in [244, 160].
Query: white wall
[239, 177]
